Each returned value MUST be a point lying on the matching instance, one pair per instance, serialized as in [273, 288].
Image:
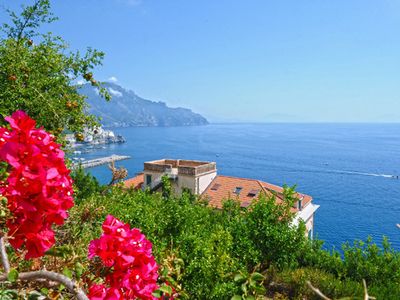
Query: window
[238, 189]
[148, 179]
[253, 193]
[299, 204]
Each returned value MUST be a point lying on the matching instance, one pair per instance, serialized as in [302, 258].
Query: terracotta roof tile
[224, 187]
[250, 189]
[135, 182]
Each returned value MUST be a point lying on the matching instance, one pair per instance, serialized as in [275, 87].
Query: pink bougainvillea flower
[38, 188]
[97, 292]
[128, 254]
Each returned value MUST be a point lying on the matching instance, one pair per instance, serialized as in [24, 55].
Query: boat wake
[365, 174]
[355, 173]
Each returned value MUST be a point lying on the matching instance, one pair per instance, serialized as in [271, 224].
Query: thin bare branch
[117, 173]
[366, 296]
[27, 19]
[4, 257]
[51, 276]
[317, 291]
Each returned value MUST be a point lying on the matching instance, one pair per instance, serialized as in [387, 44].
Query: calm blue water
[343, 166]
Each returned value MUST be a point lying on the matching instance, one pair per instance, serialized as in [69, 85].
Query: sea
[351, 170]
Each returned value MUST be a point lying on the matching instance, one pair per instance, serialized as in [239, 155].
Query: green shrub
[212, 245]
[85, 184]
[200, 250]
[295, 282]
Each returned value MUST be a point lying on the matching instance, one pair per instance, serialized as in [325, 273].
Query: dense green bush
[294, 284]
[201, 250]
[212, 245]
[362, 260]
[263, 233]
[216, 254]
[85, 184]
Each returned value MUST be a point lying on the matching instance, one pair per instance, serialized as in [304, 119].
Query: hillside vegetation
[219, 254]
[212, 254]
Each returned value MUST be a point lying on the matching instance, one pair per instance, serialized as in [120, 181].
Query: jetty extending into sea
[101, 161]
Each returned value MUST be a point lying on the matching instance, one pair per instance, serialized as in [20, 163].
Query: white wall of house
[155, 178]
[310, 227]
[196, 184]
[186, 181]
[307, 216]
[204, 181]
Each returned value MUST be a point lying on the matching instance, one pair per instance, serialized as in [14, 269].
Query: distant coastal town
[93, 137]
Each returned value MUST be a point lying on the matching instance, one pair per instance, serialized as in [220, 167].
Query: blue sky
[305, 61]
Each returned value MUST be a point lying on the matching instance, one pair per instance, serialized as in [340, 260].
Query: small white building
[195, 176]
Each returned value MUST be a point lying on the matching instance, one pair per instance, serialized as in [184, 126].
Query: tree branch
[27, 19]
[322, 296]
[317, 291]
[4, 257]
[366, 296]
[52, 276]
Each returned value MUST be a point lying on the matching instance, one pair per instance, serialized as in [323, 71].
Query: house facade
[201, 179]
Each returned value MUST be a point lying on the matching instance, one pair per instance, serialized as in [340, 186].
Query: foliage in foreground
[38, 193]
[209, 254]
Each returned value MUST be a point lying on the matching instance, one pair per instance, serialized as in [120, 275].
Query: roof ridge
[136, 176]
[259, 182]
[262, 187]
[264, 182]
[242, 178]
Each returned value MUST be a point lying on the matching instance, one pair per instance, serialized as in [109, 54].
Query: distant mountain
[128, 109]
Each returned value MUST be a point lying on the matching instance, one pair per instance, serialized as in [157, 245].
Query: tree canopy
[38, 72]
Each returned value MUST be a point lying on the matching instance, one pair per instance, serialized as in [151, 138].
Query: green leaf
[166, 289]
[252, 283]
[239, 277]
[157, 294]
[34, 295]
[260, 289]
[12, 276]
[78, 270]
[244, 288]
[250, 298]
[67, 272]
[164, 272]
[236, 297]
[257, 276]
[8, 294]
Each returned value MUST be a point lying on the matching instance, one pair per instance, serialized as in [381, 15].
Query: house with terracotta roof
[201, 179]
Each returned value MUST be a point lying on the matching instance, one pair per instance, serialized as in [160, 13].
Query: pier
[101, 161]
